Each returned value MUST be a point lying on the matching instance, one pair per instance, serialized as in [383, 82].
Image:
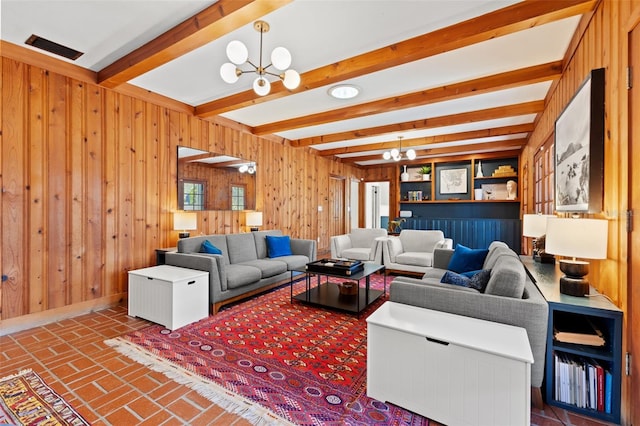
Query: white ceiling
[317, 33]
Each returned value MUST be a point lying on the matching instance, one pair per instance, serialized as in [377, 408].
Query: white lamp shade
[581, 238]
[237, 52]
[261, 86]
[291, 79]
[535, 225]
[183, 221]
[228, 73]
[280, 58]
[395, 152]
[254, 219]
[411, 154]
[386, 155]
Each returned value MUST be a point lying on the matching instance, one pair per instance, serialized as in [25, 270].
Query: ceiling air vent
[55, 48]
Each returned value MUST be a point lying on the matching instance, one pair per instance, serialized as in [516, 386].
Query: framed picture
[579, 148]
[453, 181]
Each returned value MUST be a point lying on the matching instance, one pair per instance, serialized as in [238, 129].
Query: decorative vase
[479, 174]
[404, 176]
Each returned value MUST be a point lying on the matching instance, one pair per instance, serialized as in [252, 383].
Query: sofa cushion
[295, 261]
[465, 259]
[268, 267]
[207, 247]
[357, 253]
[507, 278]
[242, 248]
[451, 277]
[494, 254]
[241, 275]
[415, 258]
[278, 245]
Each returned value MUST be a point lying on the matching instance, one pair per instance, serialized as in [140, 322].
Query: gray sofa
[244, 268]
[510, 297]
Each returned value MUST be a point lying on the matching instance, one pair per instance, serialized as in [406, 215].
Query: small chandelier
[396, 154]
[248, 168]
[280, 59]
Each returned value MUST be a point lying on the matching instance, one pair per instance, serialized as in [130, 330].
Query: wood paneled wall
[89, 187]
[602, 42]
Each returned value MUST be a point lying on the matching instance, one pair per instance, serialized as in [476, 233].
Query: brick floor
[107, 388]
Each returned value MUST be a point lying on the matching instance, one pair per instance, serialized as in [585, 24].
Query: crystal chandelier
[280, 60]
[396, 153]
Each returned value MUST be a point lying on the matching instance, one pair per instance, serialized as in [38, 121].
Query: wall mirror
[209, 181]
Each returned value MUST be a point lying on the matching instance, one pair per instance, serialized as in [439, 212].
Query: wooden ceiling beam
[428, 140]
[514, 110]
[501, 22]
[210, 24]
[502, 81]
[423, 154]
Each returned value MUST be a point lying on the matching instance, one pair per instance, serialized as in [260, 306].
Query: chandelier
[280, 60]
[396, 153]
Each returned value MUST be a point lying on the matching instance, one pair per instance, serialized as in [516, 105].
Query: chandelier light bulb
[411, 154]
[228, 73]
[243, 168]
[397, 157]
[281, 58]
[291, 79]
[395, 152]
[237, 52]
[386, 155]
[261, 86]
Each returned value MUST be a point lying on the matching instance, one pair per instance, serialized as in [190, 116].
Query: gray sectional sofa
[244, 267]
[510, 297]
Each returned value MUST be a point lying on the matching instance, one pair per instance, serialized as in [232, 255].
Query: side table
[169, 295]
[564, 359]
[160, 252]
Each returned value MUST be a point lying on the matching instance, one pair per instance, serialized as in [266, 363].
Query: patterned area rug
[26, 400]
[273, 361]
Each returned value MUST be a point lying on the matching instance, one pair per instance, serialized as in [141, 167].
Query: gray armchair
[361, 244]
[412, 250]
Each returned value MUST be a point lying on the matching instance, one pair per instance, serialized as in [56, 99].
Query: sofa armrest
[391, 248]
[441, 258]
[447, 243]
[377, 249]
[304, 247]
[339, 243]
[213, 264]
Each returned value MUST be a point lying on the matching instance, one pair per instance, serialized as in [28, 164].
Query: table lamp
[254, 220]
[535, 227]
[183, 221]
[576, 238]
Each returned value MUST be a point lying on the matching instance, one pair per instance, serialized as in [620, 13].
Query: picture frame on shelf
[453, 181]
[579, 148]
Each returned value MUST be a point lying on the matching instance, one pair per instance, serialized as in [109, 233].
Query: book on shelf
[582, 382]
[582, 332]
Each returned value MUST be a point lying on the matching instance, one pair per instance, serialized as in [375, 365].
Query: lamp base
[183, 235]
[571, 286]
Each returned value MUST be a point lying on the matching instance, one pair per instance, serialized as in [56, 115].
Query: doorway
[376, 205]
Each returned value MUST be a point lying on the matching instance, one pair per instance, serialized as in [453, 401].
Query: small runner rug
[273, 362]
[26, 400]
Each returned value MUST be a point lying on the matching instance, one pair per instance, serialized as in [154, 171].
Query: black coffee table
[326, 292]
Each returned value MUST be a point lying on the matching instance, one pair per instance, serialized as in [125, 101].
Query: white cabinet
[452, 369]
[169, 295]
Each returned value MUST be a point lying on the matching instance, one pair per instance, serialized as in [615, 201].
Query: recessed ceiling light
[344, 91]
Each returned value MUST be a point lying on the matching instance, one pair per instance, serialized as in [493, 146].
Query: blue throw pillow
[278, 246]
[207, 247]
[465, 259]
[455, 279]
[480, 280]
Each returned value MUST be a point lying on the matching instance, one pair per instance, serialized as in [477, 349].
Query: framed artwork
[579, 148]
[453, 181]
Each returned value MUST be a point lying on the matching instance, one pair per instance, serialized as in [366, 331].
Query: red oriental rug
[273, 361]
